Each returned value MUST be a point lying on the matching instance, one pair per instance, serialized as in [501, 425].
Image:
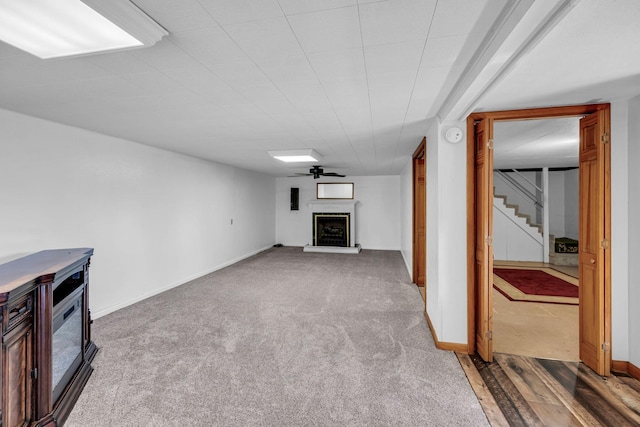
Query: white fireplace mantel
[335, 206]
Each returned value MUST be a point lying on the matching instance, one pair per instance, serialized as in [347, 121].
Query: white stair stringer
[514, 239]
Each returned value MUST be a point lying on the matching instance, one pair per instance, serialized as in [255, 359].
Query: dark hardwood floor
[524, 391]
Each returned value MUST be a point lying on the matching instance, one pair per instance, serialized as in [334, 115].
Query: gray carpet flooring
[284, 338]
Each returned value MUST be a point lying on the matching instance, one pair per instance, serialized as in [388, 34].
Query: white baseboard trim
[407, 264]
[104, 312]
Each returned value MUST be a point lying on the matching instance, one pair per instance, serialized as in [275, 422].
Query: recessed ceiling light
[52, 29]
[296, 156]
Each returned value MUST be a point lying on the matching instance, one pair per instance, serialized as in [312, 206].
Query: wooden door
[419, 216]
[594, 246]
[483, 142]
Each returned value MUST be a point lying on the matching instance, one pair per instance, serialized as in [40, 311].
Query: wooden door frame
[419, 153]
[525, 114]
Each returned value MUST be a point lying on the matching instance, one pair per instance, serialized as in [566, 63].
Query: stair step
[515, 208]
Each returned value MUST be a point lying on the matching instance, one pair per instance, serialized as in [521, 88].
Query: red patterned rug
[536, 282]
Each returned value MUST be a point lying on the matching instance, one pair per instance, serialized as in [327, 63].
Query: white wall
[571, 206]
[406, 215]
[556, 200]
[629, 235]
[377, 210]
[446, 279]
[156, 219]
[432, 278]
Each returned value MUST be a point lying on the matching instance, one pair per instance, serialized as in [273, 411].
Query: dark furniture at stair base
[46, 336]
[565, 245]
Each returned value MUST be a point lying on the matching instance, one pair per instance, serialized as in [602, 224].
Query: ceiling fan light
[296, 156]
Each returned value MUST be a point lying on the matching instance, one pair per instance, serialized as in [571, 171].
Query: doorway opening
[535, 231]
[594, 259]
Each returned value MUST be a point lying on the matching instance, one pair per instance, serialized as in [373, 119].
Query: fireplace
[332, 226]
[331, 229]
[68, 332]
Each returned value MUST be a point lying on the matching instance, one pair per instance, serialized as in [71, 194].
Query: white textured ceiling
[353, 79]
[592, 55]
[524, 144]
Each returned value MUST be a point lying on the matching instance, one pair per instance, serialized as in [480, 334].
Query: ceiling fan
[317, 171]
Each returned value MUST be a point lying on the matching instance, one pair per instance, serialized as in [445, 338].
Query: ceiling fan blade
[317, 171]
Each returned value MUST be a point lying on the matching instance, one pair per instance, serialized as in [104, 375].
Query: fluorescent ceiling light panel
[295, 159]
[51, 29]
[296, 156]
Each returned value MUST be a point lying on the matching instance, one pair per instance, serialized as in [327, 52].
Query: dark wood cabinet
[17, 349]
[45, 326]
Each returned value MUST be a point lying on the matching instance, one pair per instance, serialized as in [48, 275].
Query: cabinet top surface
[26, 269]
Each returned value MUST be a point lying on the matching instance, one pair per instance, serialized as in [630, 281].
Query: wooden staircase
[516, 238]
[515, 208]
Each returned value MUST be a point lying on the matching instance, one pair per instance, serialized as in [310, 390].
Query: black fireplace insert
[331, 229]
